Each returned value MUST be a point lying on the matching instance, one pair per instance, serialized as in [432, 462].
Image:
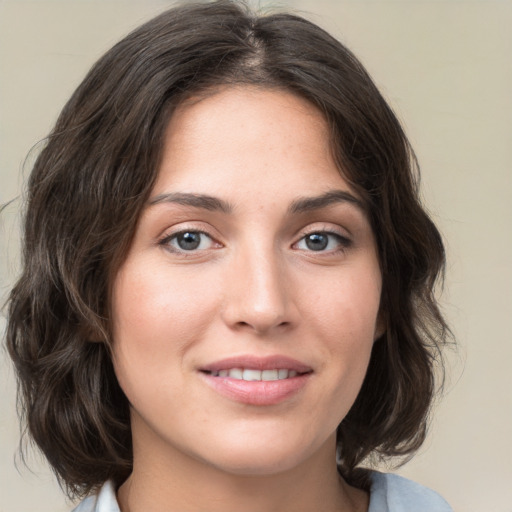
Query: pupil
[317, 242]
[189, 241]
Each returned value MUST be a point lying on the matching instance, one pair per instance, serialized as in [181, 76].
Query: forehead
[246, 139]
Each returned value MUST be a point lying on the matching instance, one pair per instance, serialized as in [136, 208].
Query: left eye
[189, 241]
[321, 241]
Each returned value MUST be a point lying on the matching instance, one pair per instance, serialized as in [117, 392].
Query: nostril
[262, 326]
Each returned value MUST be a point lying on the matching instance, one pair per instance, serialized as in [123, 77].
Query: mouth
[257, 381]
[252, 375]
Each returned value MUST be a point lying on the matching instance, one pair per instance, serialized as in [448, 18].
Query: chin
[257, 464]
[261, 456]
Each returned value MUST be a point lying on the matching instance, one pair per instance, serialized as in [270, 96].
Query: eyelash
[342, 241]
[167, 240]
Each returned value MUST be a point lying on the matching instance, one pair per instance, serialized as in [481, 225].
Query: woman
[227, 296]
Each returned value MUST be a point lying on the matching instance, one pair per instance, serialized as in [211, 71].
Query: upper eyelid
[188, 230]
[338, 231]
[171, 232]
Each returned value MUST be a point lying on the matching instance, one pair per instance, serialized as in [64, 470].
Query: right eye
[188, 241]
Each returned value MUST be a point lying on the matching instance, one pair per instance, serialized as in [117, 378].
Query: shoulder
[104, 501]
[393, 493]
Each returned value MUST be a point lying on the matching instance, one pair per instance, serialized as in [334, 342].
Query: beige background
[446, 68]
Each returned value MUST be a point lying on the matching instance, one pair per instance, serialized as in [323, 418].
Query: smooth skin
[252, 243]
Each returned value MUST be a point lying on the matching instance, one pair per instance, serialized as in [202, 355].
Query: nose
[258, 294]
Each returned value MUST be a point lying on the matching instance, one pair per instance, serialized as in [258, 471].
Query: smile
[249, 374]
[260, 381]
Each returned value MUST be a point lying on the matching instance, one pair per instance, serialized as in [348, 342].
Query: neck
[166, 482]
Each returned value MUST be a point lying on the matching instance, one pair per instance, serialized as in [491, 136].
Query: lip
[257, 363]
[260, 393]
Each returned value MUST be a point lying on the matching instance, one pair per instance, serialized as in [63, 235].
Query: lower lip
[257, 392]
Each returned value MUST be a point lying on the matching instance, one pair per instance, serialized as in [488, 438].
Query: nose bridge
[258, 293]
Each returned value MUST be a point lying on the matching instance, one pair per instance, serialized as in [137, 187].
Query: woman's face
[247, 306]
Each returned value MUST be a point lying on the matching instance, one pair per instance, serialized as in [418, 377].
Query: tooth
[235, 373]
[269, 375]
[282, 373]
[251, 374]
[255, 375]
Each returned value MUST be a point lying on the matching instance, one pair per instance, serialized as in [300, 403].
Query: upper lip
[257, 363]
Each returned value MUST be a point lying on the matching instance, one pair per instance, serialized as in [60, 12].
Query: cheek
[347, 305]
[345, 315]
[157, 315]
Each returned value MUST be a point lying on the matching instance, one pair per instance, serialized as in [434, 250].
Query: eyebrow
[203, 201]
[307, 204]
[301, 205]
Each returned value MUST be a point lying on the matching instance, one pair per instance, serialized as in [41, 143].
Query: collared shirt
[389, 493]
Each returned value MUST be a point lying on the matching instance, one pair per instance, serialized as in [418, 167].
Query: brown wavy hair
[91, 180]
